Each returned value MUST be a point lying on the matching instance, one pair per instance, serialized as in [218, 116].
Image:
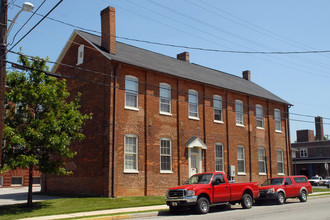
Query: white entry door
[195, 160]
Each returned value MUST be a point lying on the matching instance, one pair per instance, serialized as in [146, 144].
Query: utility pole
[3, 48]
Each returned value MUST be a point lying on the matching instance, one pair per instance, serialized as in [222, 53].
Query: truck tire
[203, 205]
[246, 201]
[280, 198]
[303, 196]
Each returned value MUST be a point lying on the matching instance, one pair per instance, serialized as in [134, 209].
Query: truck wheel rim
[204, 206]
[248, 201]
[303, 195]
[281, 198]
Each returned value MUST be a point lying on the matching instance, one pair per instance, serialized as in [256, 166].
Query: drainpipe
[269, 142]
[113, 132]
[227, 131]
[249, 136]
[178, 130]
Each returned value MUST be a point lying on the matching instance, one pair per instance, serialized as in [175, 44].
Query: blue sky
[238, 25]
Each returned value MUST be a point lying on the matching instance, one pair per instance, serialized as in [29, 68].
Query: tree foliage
[40, 122]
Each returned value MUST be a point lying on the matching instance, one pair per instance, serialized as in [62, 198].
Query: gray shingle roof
[154, 61]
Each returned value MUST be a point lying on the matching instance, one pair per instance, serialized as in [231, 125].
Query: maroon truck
[278, 189]
[205, 189]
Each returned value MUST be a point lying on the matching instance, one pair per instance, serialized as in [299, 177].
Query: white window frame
[219, 158]
[241, 159]
[239, 113]
[303, 152]
[164, 97]
[260, 116]
[217, 106]
[262, 160]
[134, 92]
[80, 55]
[277, 118]
[129, 170]
[1, 181]
[193, 102]
[280, 160]
[166, 155]
[22, 178]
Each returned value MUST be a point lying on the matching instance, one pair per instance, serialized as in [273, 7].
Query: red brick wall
[24, 173]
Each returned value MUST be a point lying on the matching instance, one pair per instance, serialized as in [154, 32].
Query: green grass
[321, 190]
[72, 205]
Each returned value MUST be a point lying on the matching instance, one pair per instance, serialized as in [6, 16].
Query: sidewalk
[145, 213]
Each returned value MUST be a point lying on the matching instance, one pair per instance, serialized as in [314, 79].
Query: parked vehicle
[327, 181]
[317, 181]
[278, 189]
[205, 189]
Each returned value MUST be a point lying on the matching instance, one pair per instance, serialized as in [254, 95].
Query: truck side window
[288, 181]
[219, 178]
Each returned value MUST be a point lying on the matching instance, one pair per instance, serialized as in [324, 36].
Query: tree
[40, 122]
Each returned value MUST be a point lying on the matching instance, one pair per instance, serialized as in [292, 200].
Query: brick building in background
[312, 153]
[157, 120]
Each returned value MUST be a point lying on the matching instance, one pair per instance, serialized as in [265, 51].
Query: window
[262, 160]
[259, 116]
[300, 179]
[80, 54]
[1, 180]
[165, 155]
[240, 160]
[277, 117]
[303, 152]
[131, 153]
[193, 103]
[239, 112]
[217, 105]
[36, 181]
[165, 98]
[131, 92]
[17, 181]
[288, 181]
[218, 178]
[280, 165]
[218, 157]
[319, 152]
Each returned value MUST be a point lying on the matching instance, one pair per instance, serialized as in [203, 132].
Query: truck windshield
[199, 179]
[277, 181]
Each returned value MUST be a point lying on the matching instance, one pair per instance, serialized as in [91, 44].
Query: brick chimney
[319, 128]
[183, 56]
[246, 75]
[108, 29]
[305, 135]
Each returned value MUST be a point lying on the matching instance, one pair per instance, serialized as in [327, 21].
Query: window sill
[277, 131]
[262, 174]
[131, 108]
[260, 128]
[166, 171]
[281, 174]
[240, 125]
[218, 122]
[131, 171]
[241, 174]
[165, 113]
[194, 118]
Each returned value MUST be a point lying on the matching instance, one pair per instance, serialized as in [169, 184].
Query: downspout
[269, 143]
[204, 127]
[113, 132]
[249, 136]
[227, 131]
[146, 124]
[178, 130]
[288, 142]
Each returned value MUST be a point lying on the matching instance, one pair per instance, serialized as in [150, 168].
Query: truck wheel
[203, 205]
[303, 196]
[280, 198]
[246, 201]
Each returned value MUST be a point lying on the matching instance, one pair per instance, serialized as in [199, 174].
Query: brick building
[19, 177]
[157, 120]
[312, 153]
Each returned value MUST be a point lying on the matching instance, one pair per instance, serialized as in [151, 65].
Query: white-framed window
[219, 157]
[277, 117]
[260, 116]
[131, 153]
[280, 163]
[165, 98]
[262, 160]
[239, 112]
[193, 103]
[303, 152]
[36, 180]
[80, 56]
[131, 92]
[217, 106]
[240, 160]
[1, 180]
[17, 181]
[165, 155]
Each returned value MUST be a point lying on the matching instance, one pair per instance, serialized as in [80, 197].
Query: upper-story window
[193, 103]
[239, 112]
[259, 116]
[165, 155]
[280, 162]
[217, 105]
[80, 59]
[277, 117]
[165, 98]
[303, 152]
[218, 157]
[240, 160]
[131, 153]
[262, 160]
[131, 92]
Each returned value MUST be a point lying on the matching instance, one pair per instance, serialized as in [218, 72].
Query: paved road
[314, 208]
[15, 195]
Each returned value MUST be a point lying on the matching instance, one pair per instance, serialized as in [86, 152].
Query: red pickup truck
[205, 189]
[278, 189]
